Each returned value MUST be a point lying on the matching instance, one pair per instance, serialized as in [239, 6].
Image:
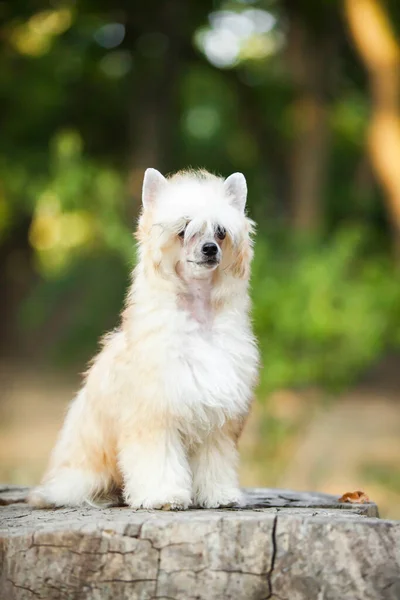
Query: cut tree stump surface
[280, 544]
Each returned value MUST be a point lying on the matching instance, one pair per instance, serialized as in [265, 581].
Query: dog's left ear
[236, 187]
[153, 183]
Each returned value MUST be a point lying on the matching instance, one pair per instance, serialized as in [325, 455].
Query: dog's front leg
[215, 481]
[155, 469]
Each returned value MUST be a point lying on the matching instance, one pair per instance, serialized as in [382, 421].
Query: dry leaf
[355, 497]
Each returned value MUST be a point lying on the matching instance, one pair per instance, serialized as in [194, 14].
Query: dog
[164, 402]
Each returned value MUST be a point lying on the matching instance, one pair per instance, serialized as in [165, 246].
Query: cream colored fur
[165, 400]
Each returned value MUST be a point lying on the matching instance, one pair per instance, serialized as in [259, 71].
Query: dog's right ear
[236, 187]
[153, 183]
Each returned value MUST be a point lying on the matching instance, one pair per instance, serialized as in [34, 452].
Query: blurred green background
[303, 97]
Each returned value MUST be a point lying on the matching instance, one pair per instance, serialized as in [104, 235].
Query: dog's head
[194, 224]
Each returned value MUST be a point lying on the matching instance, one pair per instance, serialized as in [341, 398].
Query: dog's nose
[210, 249]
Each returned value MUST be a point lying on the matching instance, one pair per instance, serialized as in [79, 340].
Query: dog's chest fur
[211, 362]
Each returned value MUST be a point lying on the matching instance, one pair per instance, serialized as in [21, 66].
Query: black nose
[210, 249]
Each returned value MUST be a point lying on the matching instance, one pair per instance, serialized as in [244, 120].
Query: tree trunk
[278, 544]
[154, 115]
[310, 58]
[152, 112]
[17, 274]
[374, 41]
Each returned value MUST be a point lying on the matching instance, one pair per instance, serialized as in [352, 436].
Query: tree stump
[279, 544]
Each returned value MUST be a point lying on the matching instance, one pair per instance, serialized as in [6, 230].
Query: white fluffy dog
[165, 400]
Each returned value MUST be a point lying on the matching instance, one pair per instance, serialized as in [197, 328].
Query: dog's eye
[220, 233]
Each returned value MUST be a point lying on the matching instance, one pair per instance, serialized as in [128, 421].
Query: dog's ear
[236, 187]
[153, 183]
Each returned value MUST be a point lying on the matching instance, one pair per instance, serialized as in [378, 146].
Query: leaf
[355, 497]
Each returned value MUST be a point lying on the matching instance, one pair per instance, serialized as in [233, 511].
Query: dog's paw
[37, 499]
[219, 498]
[177, 501]
[174, 506]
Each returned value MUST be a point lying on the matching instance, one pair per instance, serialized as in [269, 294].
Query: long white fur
[165, 400]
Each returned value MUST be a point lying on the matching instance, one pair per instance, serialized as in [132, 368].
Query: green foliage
[75, 207]
[323, 311]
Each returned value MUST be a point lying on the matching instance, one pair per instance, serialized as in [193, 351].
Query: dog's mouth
[210, 262]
